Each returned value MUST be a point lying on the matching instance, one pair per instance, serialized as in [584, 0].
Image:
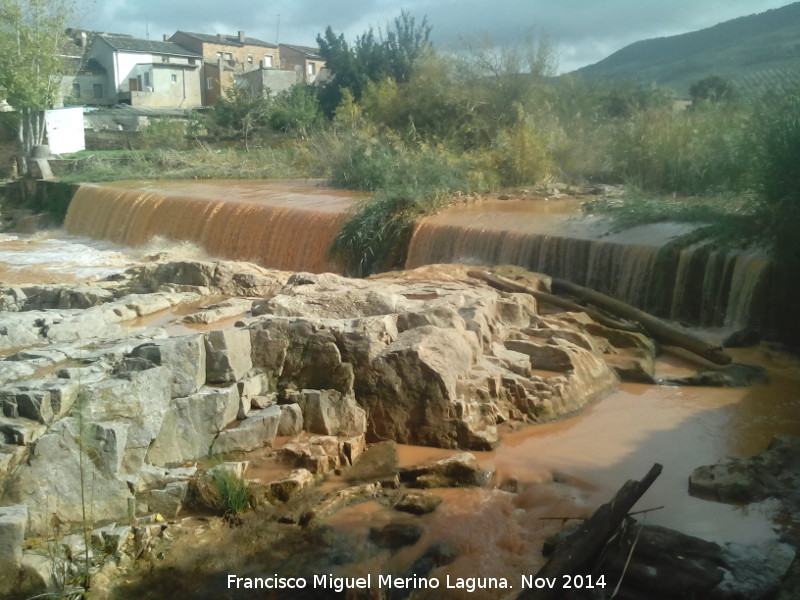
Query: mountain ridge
[755, 52]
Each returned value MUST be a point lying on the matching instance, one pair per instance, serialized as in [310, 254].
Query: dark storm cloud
[584, 31]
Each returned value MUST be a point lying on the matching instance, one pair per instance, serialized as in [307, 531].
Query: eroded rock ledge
[425, 357]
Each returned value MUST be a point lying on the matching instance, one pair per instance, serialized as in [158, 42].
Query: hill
[756, 52]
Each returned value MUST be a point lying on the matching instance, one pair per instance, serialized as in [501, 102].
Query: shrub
[687, 152]
[295, 110]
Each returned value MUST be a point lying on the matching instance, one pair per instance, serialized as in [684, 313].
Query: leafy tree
[372, 58]
[295, 110]
[713, 89]
[240, 112]
[31, 67]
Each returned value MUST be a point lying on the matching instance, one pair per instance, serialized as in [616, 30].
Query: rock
[396, 535]
[184, 356]
[20, 432]
[285, 488]
[378, 462]
[256, 431]
[222, 277]
[459, 470]
[13, 521]
[139, 401]
[232, 307]
[192, 425]
[774, 473]
[291, 421]
[418, 503]
[111, 539]
[754, 571]
[732, 375]
[50, 482]
[227, 355]
[327, 412]
[168, 501]
[36, 574]
[321, 454]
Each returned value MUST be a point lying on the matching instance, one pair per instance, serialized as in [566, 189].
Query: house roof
[130, 44]
[307, 50]
[227, 40]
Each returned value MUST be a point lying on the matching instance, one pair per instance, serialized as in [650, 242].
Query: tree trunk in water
[575, 554]
[658, 329]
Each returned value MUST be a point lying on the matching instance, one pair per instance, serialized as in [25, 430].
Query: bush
[686, 152]
[295, 110]
[224, 491]
[164, 133]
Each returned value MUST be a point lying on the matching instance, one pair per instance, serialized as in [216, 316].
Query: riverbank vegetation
[421, 129]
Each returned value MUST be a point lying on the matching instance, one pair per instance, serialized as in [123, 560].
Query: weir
[694, 285]
[291, 225]
[281, 225]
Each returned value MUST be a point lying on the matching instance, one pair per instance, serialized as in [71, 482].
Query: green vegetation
[420, 130]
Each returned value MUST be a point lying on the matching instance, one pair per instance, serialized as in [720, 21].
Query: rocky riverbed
[111, 424]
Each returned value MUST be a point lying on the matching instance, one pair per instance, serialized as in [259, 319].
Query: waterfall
[279, 225]
[694, 286]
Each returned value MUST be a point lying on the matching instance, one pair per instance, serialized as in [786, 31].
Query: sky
[582, 31]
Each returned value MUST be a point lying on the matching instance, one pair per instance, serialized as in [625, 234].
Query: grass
[203, 162]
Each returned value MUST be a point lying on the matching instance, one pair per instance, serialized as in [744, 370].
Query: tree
[372, 58]
[713, 89]
[295, 110]
[241, 111]
[31, 32]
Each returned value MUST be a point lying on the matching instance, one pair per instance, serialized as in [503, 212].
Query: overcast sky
[583, 31]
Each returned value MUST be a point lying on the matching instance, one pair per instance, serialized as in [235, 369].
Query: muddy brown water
[563, 470]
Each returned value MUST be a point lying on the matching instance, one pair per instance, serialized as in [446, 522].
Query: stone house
[155, 74]
[303, 60]
[226, 57]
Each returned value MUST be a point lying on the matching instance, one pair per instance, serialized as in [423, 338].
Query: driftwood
[576, 554]
[658, 329]
[508, 285]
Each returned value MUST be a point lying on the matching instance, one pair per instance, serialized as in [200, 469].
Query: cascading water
[280, 225]
[693, 285]
[291, 226]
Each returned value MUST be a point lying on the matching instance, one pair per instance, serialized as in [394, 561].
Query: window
[312, 68]
[219, 55]
[228, 56]
[147, 82]
[173, 78]
[209, 83]
[250, 59]
[165, 59]
[97, 90]
[192, 61]
[268, 61]
[76, 90]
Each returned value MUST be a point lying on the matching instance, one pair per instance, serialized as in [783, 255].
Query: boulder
[184, 356]
[285, 488]
[256, 431]
[13, 521]
[192, 424]
[227, 355]
[327, 412]
[291, 421]
[418, 503]
[459, 470]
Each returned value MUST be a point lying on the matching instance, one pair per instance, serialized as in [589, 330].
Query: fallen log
[660, 330]
[575, 556]
[508, 285]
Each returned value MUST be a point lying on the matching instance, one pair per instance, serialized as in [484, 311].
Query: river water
[562, 470]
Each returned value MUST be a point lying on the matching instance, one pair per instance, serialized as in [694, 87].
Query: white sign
[65, 130]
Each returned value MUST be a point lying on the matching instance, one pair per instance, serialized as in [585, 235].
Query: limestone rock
[459, 470]
[285, 488]
[227, 355]
[327, 412]
[184, 356]
[418, 503]
[291, 421]
[13, 521]
[256, 431]
[192, 424]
